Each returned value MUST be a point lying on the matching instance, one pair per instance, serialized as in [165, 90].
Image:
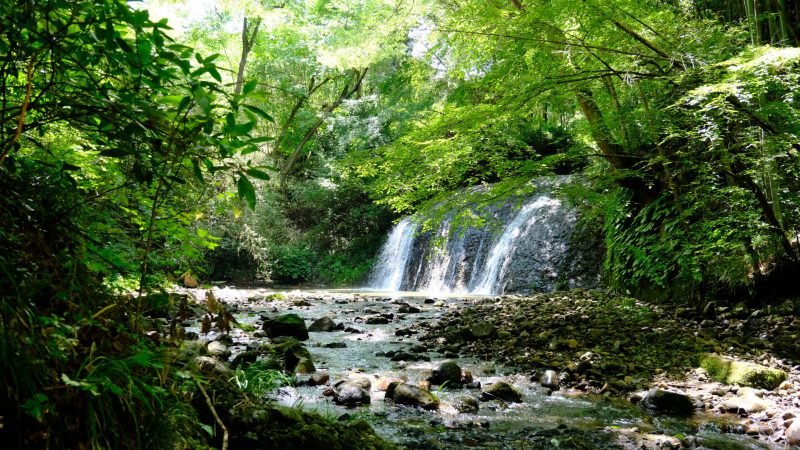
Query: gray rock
[549, 379]
[793, 434]
[290, 325]
[466, 404]
[291, 353]
[211, 366]
[376, 320]
[318, 379]
[324, 324]
[351, 394]
[218, 350]
[668, 402]
[501, 391]
[406, 394]
[746, 402]
[448, 373]
[480, 331]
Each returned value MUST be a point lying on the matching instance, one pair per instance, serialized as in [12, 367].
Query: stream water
[560, 420]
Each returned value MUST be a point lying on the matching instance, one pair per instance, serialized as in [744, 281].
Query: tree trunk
[346, 93]
[249, 33]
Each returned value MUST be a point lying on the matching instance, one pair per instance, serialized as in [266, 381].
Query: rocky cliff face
[526, 245]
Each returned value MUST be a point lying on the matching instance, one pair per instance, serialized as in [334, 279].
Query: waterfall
[490, 276]
[533, 250]
[388, 274]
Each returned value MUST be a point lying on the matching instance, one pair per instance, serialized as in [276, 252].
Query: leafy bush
[292, 264]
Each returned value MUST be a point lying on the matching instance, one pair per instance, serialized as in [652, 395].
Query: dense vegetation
[277, 141]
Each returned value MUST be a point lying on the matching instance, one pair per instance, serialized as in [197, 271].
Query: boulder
[480, 330]
[318, 379]
[218, 350]
[293, 356]
[793, 433]
[351, 394]
[324, 324]
[729, 371]
[448, 373]
[501, 390]
[209, 366]
[376, 320]
[406, 394]
[290, 325]
[549, 379]
[746, 402]
[466, 404]
[668, 402]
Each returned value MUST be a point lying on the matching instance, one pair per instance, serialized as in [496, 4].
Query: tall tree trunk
[249, 33]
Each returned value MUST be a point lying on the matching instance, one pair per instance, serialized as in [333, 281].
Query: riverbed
[564, 418]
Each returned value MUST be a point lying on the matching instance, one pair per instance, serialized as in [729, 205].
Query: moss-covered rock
[275, 297]
[729, 371]
[290, 325]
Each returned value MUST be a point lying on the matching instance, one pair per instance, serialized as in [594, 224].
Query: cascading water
[393, 259]
[489, 278]
[535, 251]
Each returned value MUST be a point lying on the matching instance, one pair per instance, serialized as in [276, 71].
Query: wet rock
[406, 356]
[466, 404]
[501, 390]
[448, 373]
[404, 332]
[324, 324]
[729, 371]
[793, 434]
[218, 350]
[351, 394]
[244, 359]
[710, 310]
[382, 383]
[408, 309]
[335, 345]
[479, 331]
[667, 402]
[291, 353]
[209, 366]
[376, 320]
[549, 379]
[746, 402]
[290, 325]
[406, 394]
[318, 379]
[305, 366]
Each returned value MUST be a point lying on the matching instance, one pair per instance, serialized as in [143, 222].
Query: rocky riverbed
[576, 369]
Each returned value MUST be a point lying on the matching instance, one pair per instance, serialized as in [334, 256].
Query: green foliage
[261, 379]
[292, 264]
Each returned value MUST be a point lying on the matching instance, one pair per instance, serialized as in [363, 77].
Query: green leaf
[243, 128]
[246, 191]
[249, 86]
[256, 173]
[260, 139]
[198, 173]
[214, 73]
[259, 112]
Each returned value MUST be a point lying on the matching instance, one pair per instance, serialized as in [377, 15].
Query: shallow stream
[563, 419]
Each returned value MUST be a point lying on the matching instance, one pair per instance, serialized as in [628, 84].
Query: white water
[490, 276]
[393, 259]
[448, 268]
